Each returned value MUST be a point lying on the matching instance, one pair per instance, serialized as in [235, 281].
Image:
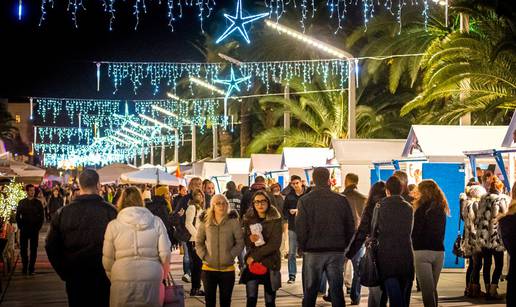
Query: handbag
[368, 266]
[457, 250]
[275, 277]
[174, 294]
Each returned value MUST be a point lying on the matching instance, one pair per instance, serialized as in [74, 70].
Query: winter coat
[489, 207]
[507, 226]
[158, 207]
[356, 200]
[192, 221]
[219, 245]
[394, 229]
[269, 253]
[234, 199]
[324, 222]
[469, 210]
[136, 257]
[291, 203]
[429, 227]
[30, 215]
[54, 203]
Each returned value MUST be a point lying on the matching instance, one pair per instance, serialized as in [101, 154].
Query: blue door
[384, 175]
[451, 178]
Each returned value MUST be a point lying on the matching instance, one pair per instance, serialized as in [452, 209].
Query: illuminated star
[238, 23]
[233, 84]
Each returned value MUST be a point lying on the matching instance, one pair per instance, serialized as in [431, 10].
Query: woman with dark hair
[507, 224]
[376, 194]
[136, 254]
[431, 209]
[192, 223]
[489, 242]
[234, 197]
[262, 234]
[55, 201]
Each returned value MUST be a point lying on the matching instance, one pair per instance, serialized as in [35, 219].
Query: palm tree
[7, 128]
[472, 64]
[322, 116]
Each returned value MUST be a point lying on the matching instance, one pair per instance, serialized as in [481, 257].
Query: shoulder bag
[368, 266]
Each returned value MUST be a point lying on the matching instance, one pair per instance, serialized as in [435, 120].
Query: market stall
[151, 176]
[111, 173]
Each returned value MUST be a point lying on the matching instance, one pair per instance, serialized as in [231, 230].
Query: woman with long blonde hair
[431, 209]
[136, 253]
[219, 241]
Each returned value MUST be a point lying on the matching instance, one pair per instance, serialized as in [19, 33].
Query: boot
[493, 292]
[467, 290]
[251, 301]
[474, 290]
[270, 304]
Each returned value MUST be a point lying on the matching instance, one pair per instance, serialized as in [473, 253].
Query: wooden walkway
[46, 289]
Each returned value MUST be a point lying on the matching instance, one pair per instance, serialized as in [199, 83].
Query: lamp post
[341, 54]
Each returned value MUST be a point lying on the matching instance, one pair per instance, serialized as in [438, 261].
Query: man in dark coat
[357, 201]
[324, 228]
[75, 240]
[289, 213]
[395, 254]
[30, 216]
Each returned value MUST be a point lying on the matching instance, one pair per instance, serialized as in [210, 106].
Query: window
[18, 118]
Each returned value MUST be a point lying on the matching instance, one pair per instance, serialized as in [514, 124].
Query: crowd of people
[116, 241]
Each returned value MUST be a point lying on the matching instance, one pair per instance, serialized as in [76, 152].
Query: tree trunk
[245, 128]
[226, 143]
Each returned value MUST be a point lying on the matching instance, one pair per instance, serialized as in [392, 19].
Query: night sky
[55, 60]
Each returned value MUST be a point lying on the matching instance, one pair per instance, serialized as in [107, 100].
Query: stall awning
[238, 165]
[262, 163]
[151, 176]
[447, 143]
[508, 140]
[304, 157]
[365, 151]
[111, 173]
[210, 169]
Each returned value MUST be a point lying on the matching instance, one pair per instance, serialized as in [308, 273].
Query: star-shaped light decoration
[233, 84]
[238, 22]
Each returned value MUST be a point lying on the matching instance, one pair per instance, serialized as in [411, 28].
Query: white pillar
[152, 154]
[286, 112]
[143, 156]
[176, 146]
[162, 153]
[194, 144]
[464, 28]
[215, 141]
[352, 125]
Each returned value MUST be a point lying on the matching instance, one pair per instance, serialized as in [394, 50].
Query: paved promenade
[46, 289]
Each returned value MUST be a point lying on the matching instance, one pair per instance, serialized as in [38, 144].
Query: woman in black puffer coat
[268, 254]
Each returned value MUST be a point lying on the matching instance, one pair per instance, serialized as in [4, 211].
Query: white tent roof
[262, 163]
[112, 172]
[210, 169]
[22, 169]
[366, 151]
[301, 157]
[443, 143]
[151, 176]
[508, 139]
[238, 165]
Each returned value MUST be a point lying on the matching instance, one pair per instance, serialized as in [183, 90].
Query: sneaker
[186, 278]
[327, 298]
[355, 302]
[291, 280]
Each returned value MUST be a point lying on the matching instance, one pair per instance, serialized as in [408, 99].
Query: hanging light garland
[13, 192]
[337, 9]
[64, 135]
[169, 74]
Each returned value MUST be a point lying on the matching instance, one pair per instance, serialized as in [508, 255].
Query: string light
[157, 122]
[167, 112]
[238, 23]
[175, 8]
[276, 72]
[137, 134]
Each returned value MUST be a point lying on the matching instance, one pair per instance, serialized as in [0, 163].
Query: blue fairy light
[238, 22]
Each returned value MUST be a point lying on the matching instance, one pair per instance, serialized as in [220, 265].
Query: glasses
[261, 202]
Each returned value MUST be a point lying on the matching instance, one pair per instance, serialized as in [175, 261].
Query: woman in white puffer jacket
[136, 254]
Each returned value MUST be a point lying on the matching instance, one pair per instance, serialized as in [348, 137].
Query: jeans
[251, 289]
[428, 268]
[398, 290]
[488, 255]
[224, 280]
[25, 237]
[292, 253]
[313, 266]
[355, 284]
[377, 297]
[324, 281]
[186, 259]
[195, 266]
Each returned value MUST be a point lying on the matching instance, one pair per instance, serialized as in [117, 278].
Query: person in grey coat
[395, 254]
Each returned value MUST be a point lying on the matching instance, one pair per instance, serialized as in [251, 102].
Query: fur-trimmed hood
[250, 216]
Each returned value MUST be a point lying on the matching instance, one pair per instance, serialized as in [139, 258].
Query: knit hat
[162, 190]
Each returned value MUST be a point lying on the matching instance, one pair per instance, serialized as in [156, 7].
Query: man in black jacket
[75, 240]
[324, 228]
[30, 216]
[289, 213]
